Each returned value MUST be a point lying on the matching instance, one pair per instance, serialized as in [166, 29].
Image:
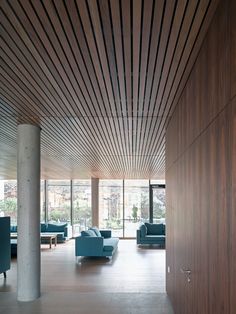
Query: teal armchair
[151, 234]
[5, 245]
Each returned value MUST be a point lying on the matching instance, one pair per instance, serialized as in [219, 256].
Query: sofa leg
[5, 274]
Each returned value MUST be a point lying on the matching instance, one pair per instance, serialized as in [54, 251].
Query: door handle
[187, 272]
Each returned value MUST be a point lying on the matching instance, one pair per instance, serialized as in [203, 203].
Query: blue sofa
[151, 234]
[13, 247]
[13, 242]
[94, 242]
[64, 232]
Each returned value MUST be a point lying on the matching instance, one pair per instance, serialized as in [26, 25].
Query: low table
[50, 237]
[44, 236]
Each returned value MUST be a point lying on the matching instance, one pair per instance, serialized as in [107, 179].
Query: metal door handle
[185, 271]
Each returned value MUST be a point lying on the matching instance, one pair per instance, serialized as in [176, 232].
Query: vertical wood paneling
[200, 178]
[232, 212]
[233, 47]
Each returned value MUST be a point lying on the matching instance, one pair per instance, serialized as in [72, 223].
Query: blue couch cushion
[108, 248]
[153, 237]
[154, 228]
[43, 227]
[164, 229]
[55, 228]
[143, 230]
[105, 233]
[88, 233]
[13, 247]
[110, 244]
[96, 230]
[13, 229]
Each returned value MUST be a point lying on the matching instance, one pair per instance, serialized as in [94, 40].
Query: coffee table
[44, 236]
[50, 237]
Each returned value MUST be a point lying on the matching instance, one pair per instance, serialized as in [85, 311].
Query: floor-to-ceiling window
[55, 201]
[136, 205]
[159, 205]
[59, 201]
[123, 205]
[111, 206]
[82, 212]
[8, 199]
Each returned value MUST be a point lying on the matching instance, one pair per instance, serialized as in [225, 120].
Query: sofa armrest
[105, 233]
[88, 246]
[138, 236]
[68, 232]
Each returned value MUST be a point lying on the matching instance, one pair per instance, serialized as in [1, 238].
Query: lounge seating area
[149, 233]
[96, 243]
[63, 232]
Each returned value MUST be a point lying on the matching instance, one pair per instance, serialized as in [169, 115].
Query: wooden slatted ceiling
[99, 77]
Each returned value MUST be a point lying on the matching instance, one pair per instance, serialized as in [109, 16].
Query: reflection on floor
[132, 282]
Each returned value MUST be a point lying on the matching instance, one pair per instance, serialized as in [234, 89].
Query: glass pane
[111, 206]
[8, 200]
[159, 205]
[82, 205]
[136, 205]
[59, 201]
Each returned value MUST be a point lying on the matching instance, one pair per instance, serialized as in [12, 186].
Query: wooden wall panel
[233, 47]
[208, 87]
[232, 212]
[199, 234]
[201, 179]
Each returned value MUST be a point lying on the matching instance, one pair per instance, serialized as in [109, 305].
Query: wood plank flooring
[132, 282]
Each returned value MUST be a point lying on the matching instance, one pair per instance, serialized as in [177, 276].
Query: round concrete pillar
[28, 216]
[95, 201]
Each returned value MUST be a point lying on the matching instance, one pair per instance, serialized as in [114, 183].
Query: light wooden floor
[132, 282]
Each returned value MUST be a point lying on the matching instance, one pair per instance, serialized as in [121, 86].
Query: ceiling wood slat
[101, 79]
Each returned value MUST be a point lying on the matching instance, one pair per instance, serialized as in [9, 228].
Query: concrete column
[95, 201]
[28, 216]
